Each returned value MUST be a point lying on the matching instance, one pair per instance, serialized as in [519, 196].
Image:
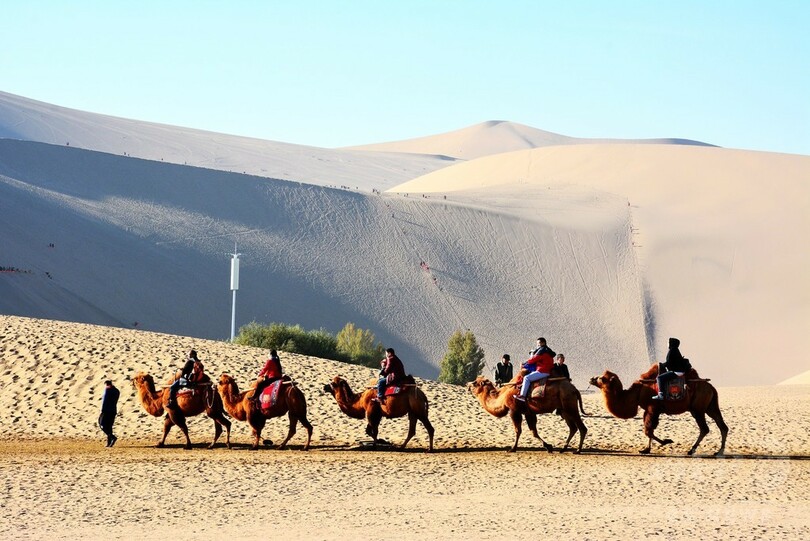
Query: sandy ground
[61, 483]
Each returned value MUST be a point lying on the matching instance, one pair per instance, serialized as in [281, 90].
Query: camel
[411, 402]
[204, 399]
[559, 395]
[701, 400]
[240, 406]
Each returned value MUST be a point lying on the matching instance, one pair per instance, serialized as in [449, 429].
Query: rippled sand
[61, 483]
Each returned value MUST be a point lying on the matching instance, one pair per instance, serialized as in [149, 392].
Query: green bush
[352, 345]
[358, 346]
[463, 361]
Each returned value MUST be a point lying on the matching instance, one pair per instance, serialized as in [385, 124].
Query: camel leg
[651, 417]
[531, 422]
[308, 426]
[430, 431]
[700, 419]
[291, 431]
[219, 422]
[583, 430]
[256, 422]
[517, 422]
[411, 429]
[713, 411]
[572, 429]
[167, 425]
[373, 417]
[181, 424]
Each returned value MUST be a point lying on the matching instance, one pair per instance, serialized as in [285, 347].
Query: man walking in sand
[109, 409]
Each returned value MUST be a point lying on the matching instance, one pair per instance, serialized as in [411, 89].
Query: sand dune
[496, 137]
[715, 232]
[56, 469]
[30, 120]
[605, 249]
[147, 242]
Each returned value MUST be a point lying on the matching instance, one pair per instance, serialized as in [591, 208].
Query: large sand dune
[607, 249]
[147, 242]
[718, 233]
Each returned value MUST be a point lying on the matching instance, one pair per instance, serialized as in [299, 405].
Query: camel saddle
[538, 389]
[269, 396]
[675, 389]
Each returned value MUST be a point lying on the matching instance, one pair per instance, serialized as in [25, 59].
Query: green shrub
[463, 361]
[352, 345]
[358, 346]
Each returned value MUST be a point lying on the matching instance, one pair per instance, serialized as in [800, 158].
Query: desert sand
[60, 482]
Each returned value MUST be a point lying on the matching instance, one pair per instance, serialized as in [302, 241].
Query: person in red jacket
[270, 373]
[391, 371]
[539, 366]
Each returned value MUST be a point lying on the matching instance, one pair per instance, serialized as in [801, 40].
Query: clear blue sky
[731, 73]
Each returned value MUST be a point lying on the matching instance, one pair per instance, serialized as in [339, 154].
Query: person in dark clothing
[270, 373]
[191, 373]
[560, 368]
[503, 370]
[675, 365]
[391, 371]
[109, 409]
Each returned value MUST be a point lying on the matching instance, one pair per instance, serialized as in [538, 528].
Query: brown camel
[560, 395]
[203, 399]
[290, 401]
[701, 400]
[411, 402]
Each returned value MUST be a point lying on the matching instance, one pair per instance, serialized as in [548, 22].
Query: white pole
[234, 287]
[233, 316]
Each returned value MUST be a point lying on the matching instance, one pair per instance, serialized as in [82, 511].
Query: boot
[659, 396]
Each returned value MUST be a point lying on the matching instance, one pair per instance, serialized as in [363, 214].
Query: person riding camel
[538, 366]
[391, 371]
[192, 372]
[675, 365]
[270, 373]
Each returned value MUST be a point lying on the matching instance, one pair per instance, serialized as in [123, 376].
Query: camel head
[607, 382]
[141, 378]
[226, 380]
[480, 385]
[336, 383]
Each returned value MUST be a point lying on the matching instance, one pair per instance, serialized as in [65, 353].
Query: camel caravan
[541, 386]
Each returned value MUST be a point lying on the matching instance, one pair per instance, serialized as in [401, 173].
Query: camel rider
[270, 373]
[192, 372]
[538, 365]
[675, 365]
[391, 371]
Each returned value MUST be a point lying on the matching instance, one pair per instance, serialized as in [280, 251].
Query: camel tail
[579, 399]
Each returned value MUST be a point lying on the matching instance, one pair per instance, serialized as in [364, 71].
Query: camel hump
[408, 380]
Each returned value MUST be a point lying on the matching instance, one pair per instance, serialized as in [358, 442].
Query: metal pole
[234, 287]
[233, 317]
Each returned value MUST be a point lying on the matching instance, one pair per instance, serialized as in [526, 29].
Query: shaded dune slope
[148, 242]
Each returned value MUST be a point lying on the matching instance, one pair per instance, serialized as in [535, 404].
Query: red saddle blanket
[391, 390]
[269, 396]
[675, 388]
